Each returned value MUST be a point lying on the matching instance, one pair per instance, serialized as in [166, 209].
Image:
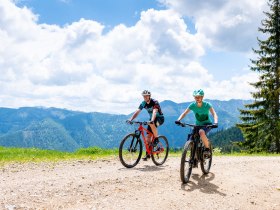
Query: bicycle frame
[142, 131]
[198, 145]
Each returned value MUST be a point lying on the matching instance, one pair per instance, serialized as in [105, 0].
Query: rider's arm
[154, 114]
[215, 116]
[184, 114]
[135, 114]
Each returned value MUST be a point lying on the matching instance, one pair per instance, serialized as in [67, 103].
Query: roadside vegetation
[10, 154]
[22, 155]
[217, 151]
[261, 119]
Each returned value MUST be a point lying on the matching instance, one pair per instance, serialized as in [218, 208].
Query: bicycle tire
[206, 163]
[129, 149]
[186, 162]
[160, 151]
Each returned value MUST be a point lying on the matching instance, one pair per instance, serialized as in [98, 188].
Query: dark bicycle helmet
[146, 93]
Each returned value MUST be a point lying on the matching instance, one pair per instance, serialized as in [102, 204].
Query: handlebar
[138, 122]
[195, 126]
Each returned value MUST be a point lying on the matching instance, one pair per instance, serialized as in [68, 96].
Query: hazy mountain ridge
[61, 129]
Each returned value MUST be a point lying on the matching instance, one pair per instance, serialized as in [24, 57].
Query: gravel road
[233, 183]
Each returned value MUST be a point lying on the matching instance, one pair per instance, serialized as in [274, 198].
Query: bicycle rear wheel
[205, 163]
[186, 162]
[130, 150]
[160, 151]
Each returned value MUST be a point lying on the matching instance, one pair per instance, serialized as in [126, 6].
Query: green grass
[218, 152]
[11, 154]
[8, 155]
[249, 154]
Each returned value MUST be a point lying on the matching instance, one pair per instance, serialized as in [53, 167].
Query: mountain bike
[193, 153]
[130, 149]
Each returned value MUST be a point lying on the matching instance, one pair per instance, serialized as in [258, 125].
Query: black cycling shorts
[158, 121]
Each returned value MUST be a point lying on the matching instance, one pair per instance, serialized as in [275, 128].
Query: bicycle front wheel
[206, 162]
[186, 162]
[130, 150]
[160, 151]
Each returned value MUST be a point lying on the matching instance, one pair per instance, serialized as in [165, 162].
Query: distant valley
[65, 130]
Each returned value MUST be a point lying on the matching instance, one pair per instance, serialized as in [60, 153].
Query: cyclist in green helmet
[201, 111]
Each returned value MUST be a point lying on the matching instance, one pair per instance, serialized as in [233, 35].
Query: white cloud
[80, 67]
[229, 25]
[235, 88]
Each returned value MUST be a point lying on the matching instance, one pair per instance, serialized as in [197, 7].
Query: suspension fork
[200, 150]
[194, 151]
[137, 136]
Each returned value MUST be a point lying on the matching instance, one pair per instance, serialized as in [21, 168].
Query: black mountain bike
[193, 153]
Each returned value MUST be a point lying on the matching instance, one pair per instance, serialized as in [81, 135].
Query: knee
[201, 132]
[153, 126]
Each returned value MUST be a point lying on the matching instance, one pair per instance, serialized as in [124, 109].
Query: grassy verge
[217, 152]
[8, 155]
[248, 154]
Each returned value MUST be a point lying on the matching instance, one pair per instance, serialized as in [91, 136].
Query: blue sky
[107, 12]
[97, 55]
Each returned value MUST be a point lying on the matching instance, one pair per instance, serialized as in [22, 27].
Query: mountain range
[66, 130]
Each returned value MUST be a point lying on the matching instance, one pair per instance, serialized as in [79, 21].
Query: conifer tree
[260, 120]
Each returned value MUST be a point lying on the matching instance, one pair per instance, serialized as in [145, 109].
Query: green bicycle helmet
[199, 92]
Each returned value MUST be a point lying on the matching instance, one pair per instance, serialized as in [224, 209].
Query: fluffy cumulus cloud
[228, 25]
[80, 67]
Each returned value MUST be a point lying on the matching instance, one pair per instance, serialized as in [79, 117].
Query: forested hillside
[65, 130]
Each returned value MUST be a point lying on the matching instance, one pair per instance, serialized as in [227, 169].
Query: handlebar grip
[129, 122]
[214, 126]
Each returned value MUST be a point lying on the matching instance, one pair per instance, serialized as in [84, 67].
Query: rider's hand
[128, 122]
[178, 122]
[150, 122]
[215, 125]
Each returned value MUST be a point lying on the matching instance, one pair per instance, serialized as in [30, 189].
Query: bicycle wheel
[160, 151]
[130, 150]
[205, 163]
[186, 162]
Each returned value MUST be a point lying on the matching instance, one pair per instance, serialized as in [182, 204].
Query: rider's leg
[205, 141]
[157, 122]
[154, 130]
[204, 138]
[149, 138]
[149, 135]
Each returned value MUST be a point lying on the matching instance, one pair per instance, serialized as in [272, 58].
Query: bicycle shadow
[150, 168]
[146, 168]
[203, 184]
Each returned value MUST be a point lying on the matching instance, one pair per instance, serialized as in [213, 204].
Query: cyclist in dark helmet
[156, 116]
[201, 111]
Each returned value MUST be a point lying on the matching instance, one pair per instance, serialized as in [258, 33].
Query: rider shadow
[149, 168]
[203, 184]
[145, 168]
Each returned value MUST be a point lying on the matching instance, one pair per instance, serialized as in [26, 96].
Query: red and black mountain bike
[130, 150]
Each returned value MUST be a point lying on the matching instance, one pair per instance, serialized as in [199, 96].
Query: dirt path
[234, 183]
